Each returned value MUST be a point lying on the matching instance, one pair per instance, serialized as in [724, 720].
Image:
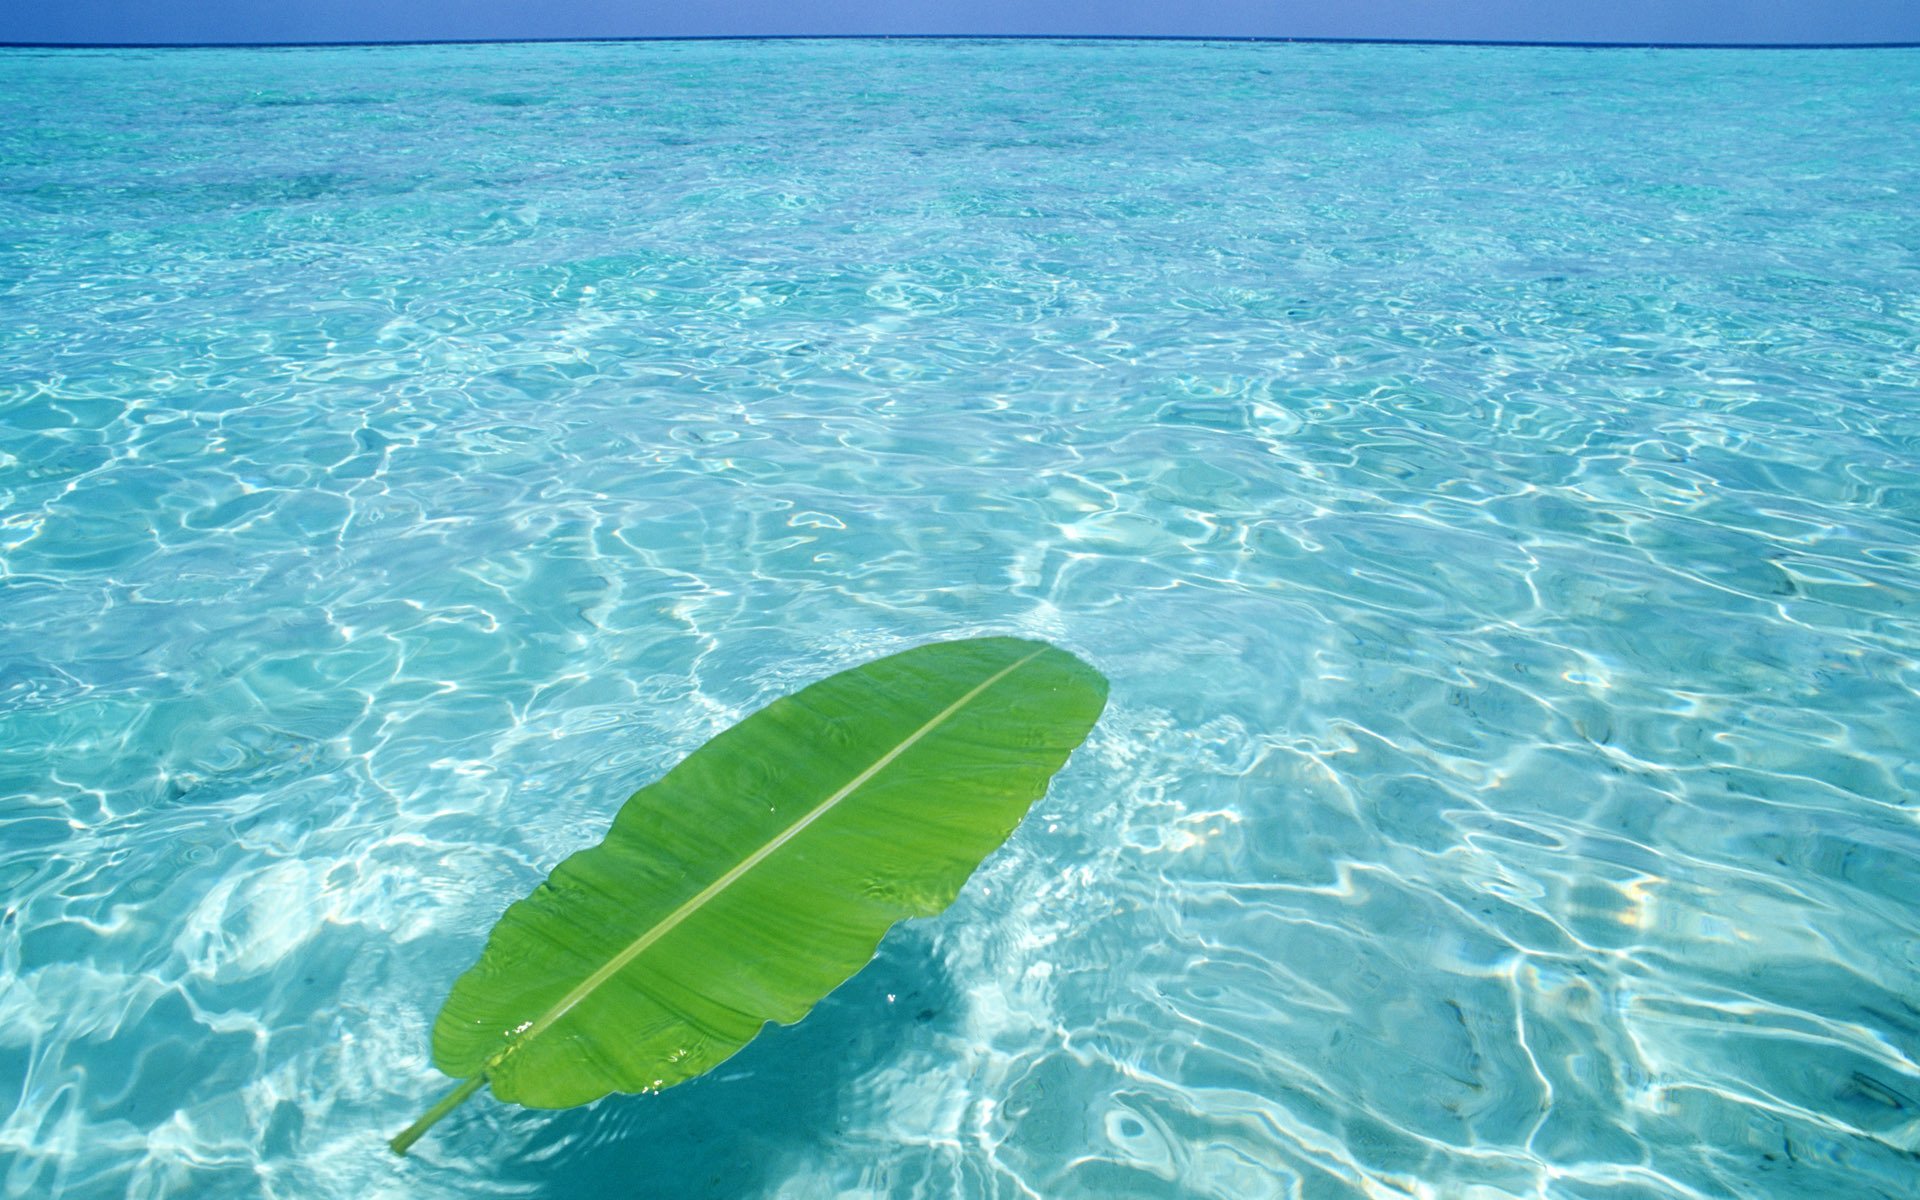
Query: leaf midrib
[672, 920]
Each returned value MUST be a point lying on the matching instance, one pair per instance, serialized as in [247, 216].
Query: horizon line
[962, 37]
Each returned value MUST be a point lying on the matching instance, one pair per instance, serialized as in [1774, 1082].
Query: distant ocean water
[1489, 477]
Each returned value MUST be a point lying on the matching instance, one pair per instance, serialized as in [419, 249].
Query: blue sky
[1744, 21]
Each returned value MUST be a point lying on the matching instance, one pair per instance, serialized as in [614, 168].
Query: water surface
[1489, 477]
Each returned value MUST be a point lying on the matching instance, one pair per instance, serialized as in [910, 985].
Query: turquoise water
[1489, 478]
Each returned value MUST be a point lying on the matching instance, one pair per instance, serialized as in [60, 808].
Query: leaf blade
[762, 871]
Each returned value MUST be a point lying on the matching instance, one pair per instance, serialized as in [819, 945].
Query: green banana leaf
[760, 873]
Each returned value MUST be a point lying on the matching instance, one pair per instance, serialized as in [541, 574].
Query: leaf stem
[448, 1103]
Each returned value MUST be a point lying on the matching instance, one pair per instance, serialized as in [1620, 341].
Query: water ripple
[1487, 478]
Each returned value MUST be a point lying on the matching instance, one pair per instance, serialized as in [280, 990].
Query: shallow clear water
[1490, 479]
